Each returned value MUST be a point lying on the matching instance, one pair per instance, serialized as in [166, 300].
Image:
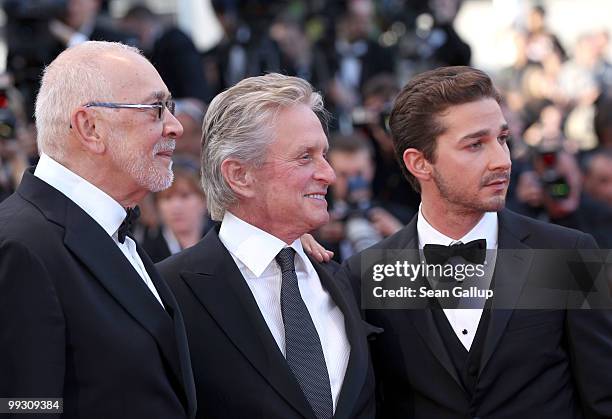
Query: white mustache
[165, 145]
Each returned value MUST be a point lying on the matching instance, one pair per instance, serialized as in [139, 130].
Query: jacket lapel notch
[357, 368]
[512, 266]
[96, 250]
[221, 285]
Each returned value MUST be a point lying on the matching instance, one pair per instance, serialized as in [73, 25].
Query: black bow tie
[474, 251]
[129, 220]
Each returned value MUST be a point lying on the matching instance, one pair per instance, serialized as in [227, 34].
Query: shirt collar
[487, 228]
[255, 248]
[101, 207]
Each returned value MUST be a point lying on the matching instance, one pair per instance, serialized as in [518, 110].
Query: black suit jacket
[239, 370]
[78, 322]
[535, 363]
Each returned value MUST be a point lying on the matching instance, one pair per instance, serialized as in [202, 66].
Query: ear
[417, 164]
[239, 177]
[83, 125]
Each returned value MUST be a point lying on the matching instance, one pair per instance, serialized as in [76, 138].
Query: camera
[362, 117]
[554, 183]
[359, 231]
[30, 43]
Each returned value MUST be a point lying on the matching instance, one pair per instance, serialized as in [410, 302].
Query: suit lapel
[220, 287]
[96, 250]
[510, 275]
[357, 368]
[422, 319]
[186, 372]
[509, 279]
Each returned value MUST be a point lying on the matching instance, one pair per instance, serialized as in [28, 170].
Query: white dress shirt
[462, 320]
[254, 252]
[104, 210]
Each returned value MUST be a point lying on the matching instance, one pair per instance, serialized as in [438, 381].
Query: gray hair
[74, 78]
[239, 125]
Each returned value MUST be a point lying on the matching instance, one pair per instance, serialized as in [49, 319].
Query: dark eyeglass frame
[160, 106]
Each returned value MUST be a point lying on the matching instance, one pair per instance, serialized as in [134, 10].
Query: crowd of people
[358, 53]
[448, 303]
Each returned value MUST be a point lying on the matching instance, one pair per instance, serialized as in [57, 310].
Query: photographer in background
[83, 21]
[550, 189]
[171, 51]
[13, 153]
[352, 58]
[598, 176]
[38, 30]
[357, 221]
[603, 121]
[389, 183]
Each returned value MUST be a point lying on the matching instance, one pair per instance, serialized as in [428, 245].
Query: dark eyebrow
[482, 133]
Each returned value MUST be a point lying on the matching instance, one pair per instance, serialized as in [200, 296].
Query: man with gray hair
[84, 316]
[271, 333]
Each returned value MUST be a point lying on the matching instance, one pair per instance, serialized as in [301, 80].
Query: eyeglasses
[160, 106]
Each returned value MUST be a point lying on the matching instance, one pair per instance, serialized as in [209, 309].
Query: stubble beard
[467, 203]
[144, 169]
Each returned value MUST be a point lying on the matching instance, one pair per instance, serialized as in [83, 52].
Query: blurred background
[550, 59]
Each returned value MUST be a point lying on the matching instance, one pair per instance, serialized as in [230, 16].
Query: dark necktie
[303, 348]
[130, 218]
[474, 251]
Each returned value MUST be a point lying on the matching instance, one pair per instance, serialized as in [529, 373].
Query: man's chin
[319, 221]
[497, 204]
[160, 182]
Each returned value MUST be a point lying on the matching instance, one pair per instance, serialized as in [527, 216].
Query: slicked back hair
[239, 124]
[414, 120]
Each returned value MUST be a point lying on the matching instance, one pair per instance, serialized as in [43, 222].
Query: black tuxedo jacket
[534, 363]
[78, 322]
[239, 370]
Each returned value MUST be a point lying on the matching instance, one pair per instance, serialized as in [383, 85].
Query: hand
[384, 222]
[314, 249]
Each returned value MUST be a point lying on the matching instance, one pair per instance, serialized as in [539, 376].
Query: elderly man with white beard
[84, 316]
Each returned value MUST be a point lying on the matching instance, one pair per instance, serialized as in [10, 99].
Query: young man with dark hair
[502, 358]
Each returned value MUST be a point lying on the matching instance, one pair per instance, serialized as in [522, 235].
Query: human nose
[500, 158]
[172, 126]
[325, 173]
